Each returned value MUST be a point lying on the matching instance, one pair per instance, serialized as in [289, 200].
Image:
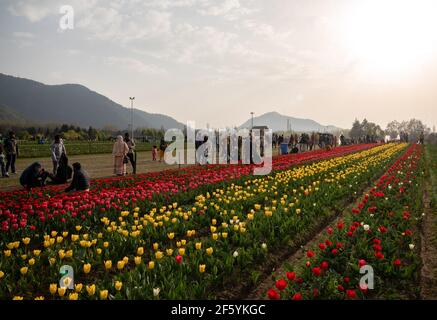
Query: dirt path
[429, 239]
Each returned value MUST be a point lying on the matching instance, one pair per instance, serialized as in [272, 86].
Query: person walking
[2, 162]
[154, 152]
[57, 149]
[81, 179]
[11, 150]
[162, 147]
[119, 152]
[131, 153]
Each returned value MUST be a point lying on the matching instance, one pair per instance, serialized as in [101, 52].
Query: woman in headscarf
[119, 151]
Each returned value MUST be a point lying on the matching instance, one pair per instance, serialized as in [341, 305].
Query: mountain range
[279, 122]
[24, 100]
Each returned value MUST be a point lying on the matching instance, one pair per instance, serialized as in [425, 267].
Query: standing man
[57, 149]
[11, 150]
[131, 153]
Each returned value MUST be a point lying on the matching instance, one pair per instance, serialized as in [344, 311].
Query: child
[154, 153]
[2, 162]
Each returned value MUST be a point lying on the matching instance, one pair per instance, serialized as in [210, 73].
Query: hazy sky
[215, 61]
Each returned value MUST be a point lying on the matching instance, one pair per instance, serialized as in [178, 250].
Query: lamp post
[132, 116]
[252, 113]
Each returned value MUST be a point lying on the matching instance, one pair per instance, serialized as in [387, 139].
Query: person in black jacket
[81, 179]
[33, 176]
[11, 149]
[63, 172]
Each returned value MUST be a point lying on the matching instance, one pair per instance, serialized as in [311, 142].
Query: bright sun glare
[391, 37]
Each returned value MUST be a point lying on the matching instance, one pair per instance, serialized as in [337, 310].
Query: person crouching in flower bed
[63, 171]
[120, 151]
[33, 176]
[81, 179]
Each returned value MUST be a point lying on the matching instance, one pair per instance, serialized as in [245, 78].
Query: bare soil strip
[428, 239]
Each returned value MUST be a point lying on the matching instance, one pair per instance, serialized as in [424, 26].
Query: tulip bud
[53, 288]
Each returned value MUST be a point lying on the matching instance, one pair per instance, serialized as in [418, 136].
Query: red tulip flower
[317, 271]
[351, 294]
[273, 294]
[281, 284]
[291, 276]
[297, 296]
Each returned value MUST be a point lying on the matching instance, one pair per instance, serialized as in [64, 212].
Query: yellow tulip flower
[159, 255]
[120, 264]
[140, 251]
[108, 264]
[73, 296]
[209, 251]
[53, 288]
[137, 260]
[202, 268]
[87, 268]
[23, 270]
[103, 294]
[61, 291]
[118, 285]
[91, 289]
[151, 265]
[78, 287]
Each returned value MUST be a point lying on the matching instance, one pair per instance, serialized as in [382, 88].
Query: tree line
[412, 129]
[74, 133]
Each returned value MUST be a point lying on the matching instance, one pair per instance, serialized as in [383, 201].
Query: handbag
[125, 160]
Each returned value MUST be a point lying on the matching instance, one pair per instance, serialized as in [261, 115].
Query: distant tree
[392, 129]
[71, 135]
[356, 130]
[32, 131]
[415, 128]
[64, 128]
[23, 135]
[92, 133]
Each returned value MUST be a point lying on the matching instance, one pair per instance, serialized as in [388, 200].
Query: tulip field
[205, 232]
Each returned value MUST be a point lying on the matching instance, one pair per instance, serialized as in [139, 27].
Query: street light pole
[132, 116]
[252, 119]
